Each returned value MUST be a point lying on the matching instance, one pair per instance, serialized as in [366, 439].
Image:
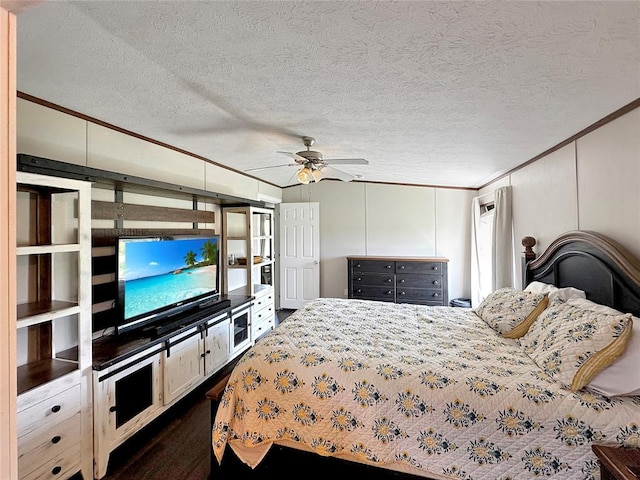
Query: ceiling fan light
[304, 175]
[317, 175]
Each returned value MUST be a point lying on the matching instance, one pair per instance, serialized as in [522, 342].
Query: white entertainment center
[109, 386]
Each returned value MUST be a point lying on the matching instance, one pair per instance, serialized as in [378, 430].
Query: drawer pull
[113, 409]
[435, 268]
[359, 279]
[436, 295]
[389, 280]
[358, 265]
[56, 470]
[401, 267]
[56, 439]
[389, 292]
[402, 293]
[435, 282]
[202, 355]
[401, 280]
[358, 291]
[387, 266]
[56, 408]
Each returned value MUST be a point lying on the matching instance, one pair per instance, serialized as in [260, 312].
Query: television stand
[193, 315]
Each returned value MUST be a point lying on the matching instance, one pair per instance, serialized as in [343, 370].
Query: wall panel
[225, 181]
[44, 132]
[609, 179]
[544, 200]
[400, 220]
[117, 152]
[453, 231]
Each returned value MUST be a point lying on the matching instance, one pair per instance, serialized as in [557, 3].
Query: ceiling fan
[314, 166]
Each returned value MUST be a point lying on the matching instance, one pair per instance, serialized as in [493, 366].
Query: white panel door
[299, 253]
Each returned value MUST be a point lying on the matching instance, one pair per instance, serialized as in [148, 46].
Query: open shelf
[42, 371]
[44, 310]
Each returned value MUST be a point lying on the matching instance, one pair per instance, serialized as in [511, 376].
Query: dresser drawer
[385, 294]
[373, 279]
[419, 267]
[41, 446]
[411, 295]
[374, 266]
[50, 411]
[416, 280]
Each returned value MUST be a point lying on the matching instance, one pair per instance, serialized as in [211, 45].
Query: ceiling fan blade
[272, 166]
[330, 172]
[345, 161]
[295, 156]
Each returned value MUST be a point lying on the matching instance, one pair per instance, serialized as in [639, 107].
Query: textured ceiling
[435, 93]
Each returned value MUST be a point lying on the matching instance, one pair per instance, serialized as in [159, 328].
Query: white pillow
[623, 376]
[554, 292]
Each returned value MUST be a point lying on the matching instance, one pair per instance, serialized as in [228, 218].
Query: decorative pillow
[622, 377]
[572, 344]
[565, 293]
[511, 312]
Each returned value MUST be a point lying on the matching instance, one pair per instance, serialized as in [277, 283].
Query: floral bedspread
[433, 388]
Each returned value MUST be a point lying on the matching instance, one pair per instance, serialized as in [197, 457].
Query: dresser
[419, 280]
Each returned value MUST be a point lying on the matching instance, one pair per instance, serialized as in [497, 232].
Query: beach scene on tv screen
[162, 273]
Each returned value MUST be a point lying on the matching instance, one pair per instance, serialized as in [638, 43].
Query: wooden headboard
[607, 272]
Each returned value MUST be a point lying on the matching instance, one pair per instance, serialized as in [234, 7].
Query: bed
[442, 392]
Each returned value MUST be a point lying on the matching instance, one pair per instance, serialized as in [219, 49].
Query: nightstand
[614, 462]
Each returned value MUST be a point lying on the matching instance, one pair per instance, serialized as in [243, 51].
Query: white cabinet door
[183, 365]
[217, 343]
[299, 253]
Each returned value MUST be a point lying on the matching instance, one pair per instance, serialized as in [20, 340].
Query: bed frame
[606, 271]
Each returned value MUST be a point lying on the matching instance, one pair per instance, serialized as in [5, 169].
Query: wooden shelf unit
[54, 325]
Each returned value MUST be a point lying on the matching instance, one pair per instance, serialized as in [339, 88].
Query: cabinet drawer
[43, 445]
[375, 266]
[264, 314]
[263, 301]
[262, 327]
[416, 280]
[373, 279]
[50, 411]
[418, 267]
[61, 466]
[386, 294]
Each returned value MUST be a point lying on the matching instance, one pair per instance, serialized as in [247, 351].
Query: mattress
[432, 391]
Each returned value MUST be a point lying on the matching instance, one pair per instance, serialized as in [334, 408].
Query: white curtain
[492, 262]
[502, 240]
[476, 282]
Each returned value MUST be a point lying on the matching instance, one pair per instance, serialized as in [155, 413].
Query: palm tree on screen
[190, 258]
[209, 252]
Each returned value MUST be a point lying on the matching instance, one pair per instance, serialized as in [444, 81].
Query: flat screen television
[159, 277]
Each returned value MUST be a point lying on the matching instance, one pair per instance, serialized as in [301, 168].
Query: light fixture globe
[304, 175]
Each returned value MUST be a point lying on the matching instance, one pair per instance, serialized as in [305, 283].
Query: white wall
[590, 184]
[45, 132]
[359, 218]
